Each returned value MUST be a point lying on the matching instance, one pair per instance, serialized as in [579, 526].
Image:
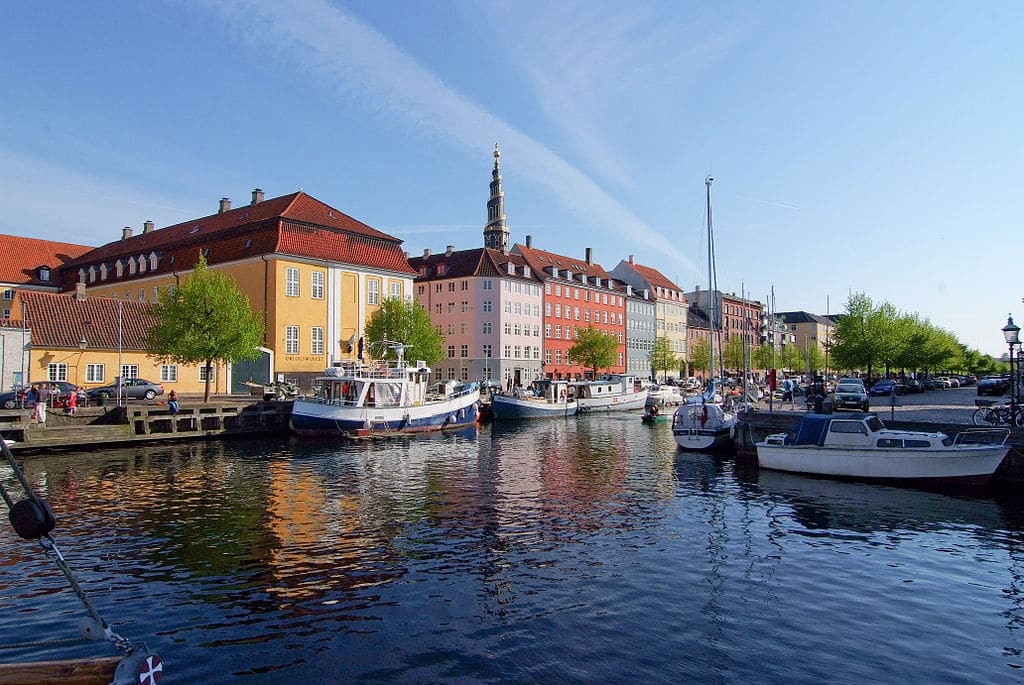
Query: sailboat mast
[712, 298]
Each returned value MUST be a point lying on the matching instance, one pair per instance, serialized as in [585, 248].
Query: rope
[51, 550]
[45, 643]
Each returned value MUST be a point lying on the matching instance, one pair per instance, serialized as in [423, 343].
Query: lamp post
[1011, 332]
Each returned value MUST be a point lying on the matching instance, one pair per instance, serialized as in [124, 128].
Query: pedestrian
[172, 403]
[72, 402]
[83, 399]
[31, 395]
[787, 390]
[42, 395]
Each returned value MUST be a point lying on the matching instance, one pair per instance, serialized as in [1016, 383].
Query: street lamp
[1011, 332]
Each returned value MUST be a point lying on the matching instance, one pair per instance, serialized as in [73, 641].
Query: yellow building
[313, 273]
[90, 341]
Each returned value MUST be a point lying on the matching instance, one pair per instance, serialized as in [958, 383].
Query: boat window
[848, 427]
[875, 424]
[917, 443]
[889, 442]
[947, 441]
[386, 394]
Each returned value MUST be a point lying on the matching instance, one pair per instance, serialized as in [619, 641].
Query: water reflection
[522, 552]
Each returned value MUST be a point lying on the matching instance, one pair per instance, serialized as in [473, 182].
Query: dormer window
[131, 266]
[92, 274]
[153, 261]
[119, 268]
[81, 275]
[44, 274]
[104, 272]
[142, 264]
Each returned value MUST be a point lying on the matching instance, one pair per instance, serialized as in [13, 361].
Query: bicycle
[998, 415]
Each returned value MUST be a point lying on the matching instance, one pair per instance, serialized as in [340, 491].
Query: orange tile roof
[655, 278]
[539, 260]
[59, 320]
[295, 224]
[480, 261]
[20, 259]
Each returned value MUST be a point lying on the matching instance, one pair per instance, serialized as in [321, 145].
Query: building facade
[641, 329]
[314, 274]
[671, 306]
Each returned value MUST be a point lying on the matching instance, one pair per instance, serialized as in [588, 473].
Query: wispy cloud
[345, 58]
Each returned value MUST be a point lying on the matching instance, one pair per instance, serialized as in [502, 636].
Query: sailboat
[701, 424]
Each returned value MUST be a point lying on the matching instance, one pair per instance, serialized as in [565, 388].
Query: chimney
[225, 205]
[147, 226]
[426, 252]
[126, 233]
[257, 196]
[79, 291]
[449, 249]
[631, 259]
[590, 256]
[529, 241]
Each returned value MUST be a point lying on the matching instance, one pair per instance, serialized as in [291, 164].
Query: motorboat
[357, 400]
[666, 395]
[544, 398]
[701, 425]
[653, 415]
[614, 393]
[859, 446]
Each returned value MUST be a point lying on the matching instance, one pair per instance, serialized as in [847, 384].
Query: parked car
[58, 391]
[943, 382]
[850, 394]
[993, 385]
[913, 385]
[929, 384]
[133, 388]
[884, 387]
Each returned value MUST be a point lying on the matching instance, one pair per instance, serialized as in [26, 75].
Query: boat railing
[982, 436]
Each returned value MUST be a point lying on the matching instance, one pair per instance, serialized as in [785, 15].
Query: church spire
[496, 232]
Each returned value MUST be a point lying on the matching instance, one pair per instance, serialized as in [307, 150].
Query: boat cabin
[855, 430]
[550, 389]
[375, 386]
[611, 385]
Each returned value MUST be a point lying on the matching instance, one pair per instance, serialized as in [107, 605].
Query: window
[518, 329]
[518, 308]
[547, 356]
[317, 279]
[547, 330]
[291, 282]
[519, 352]
[451, 286]
[558, 332]
[508, 351]
[487, 284]
[558, 356]
[451, 307]
[547, 309]
[291, 339]
[508, 328]
[464, 351]
[465, 306]
[487, 306]
[168, 373]
[129, 371]
[373, 291]
[487, 328]
[451, 351]
[203, 373]
[487, 350]
[465, 285]
[558, 311]
[9, 294]
[464, 328]
[94, 373]
[396, 290]
[44, 276]
[316, 340]
[57, 372]
[142, 294]
[7, 313]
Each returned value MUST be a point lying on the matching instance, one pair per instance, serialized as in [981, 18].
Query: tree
[594, 349]
[700, 356]
[204, 319]
[662, 357]
[733, 353]
[408, 323]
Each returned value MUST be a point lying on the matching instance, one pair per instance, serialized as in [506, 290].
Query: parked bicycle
[998, 415]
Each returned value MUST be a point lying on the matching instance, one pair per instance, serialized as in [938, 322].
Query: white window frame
[373, 291]
[291, 281]
[168, 373]
[291, 339]
[396, 290]
[129, 371]
[316, 340]
[57, 371]
[95, 373]
[317, 282]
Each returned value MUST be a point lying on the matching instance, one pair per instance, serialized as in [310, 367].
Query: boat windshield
[875, 424]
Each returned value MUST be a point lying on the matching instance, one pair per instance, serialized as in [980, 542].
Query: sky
[867, 147]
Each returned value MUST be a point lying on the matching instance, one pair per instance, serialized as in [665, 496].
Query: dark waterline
[586, 550]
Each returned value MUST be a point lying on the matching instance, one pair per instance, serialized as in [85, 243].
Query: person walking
[72, 402]
[42, 397]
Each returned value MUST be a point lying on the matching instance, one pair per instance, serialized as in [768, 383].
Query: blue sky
[856, 147]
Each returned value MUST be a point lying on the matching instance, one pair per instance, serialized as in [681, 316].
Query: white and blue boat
[544, 399]
[357, 401]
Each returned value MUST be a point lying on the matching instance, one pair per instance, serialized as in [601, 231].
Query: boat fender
[94, 629]
[32, 518]
[562, 395]
[139, 667]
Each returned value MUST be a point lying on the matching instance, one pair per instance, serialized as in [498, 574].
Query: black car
[913, 385]
[850, 394]
[993, 385]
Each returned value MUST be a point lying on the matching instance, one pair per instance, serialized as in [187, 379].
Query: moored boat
[859, 446]
[358, 401]
[702, 426]
[615, 393]
[545, 398]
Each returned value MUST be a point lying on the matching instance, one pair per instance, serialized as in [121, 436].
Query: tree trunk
[209, 368]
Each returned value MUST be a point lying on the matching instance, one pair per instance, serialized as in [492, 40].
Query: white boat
[545, 398]
[859, 446]
[615, 393]
[358, 401]
[701, 424]
[666, 395]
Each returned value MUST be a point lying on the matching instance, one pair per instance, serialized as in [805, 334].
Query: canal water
[586, 550]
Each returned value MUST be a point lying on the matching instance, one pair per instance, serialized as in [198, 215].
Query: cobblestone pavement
[952, 406]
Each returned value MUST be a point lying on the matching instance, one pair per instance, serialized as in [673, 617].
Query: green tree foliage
[663, 358]
[761, 357]
[205, 319]
[791, 357]
[700, 356]
[594, 349]
[408, 323]
[733, 353]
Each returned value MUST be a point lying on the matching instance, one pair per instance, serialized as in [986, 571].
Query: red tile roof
[59, 320]
[294, 224]
[656, 279]
[539, 260]
[481, 261]
[20, 259]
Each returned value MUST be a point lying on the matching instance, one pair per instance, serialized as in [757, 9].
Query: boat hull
[326, 419]
[624, 402]
[961, 465]
[506, 408]
[702, 427]
[703, 440]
